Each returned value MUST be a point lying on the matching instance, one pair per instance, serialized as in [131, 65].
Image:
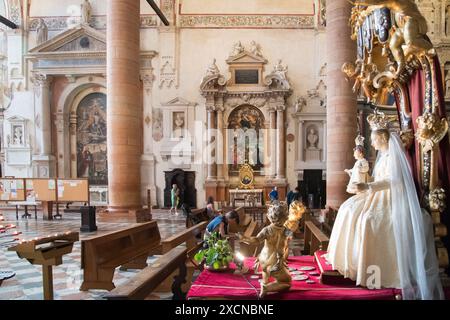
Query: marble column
[43, 160]
[148, 159]
[73, 146]
[281, 144]
[341, 104]
[220, 145]
[273, 142]
[124, 118]
[301, 141]
[211, 148]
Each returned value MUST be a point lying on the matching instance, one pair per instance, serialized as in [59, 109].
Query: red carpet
[238, 287]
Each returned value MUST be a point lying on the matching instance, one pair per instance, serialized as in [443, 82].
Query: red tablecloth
[243, 287]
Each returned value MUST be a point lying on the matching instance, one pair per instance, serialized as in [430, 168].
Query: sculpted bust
[313, 139]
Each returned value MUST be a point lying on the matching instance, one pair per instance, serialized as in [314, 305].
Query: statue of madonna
[384, 227]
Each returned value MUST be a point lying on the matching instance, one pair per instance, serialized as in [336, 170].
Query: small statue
[280, 69]
[18, 136]
[360, 172]
[255, 49]
[42, 32]
[213, 70]
[237, 49]
[300, 103]
[272, 259]
[447, 85]
[178, 132]
[296, 212]
[86, 12]
[313, 139]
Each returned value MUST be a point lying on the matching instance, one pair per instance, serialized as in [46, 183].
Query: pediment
[177, 102]
[247, 58]
[79, 39]
[17, 119]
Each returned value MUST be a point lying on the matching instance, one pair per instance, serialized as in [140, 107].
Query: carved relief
[249, 21]
[97, 22]
[167, 73]
[157, 125]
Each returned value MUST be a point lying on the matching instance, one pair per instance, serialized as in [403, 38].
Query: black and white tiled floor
[67, 278]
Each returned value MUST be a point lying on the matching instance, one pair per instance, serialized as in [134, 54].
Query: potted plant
[218, 254]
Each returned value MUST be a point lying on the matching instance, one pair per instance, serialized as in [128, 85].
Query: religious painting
[157, 125]
[178, 125]
[91, 139]
[246, 127]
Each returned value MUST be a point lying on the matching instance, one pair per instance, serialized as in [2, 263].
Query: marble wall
[292, 31]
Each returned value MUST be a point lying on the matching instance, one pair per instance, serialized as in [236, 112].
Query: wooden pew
[193, 245]
[158, 277]
[315, 239]
[147, 280]
[129, 248]
[250, 250]
[196, 216]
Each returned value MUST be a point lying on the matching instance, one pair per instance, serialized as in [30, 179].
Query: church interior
[204, 150]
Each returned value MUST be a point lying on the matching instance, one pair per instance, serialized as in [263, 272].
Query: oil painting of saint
[91, 139]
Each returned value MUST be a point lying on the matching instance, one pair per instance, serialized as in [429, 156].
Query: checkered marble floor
[67, 278]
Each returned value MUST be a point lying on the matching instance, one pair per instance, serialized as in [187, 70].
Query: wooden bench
[196, 216]
[129, 248]
[158, 277]
[315, 239]
[193, 245]
[147, 280]
[250, 250]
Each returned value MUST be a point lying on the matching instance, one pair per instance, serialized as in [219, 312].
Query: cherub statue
[360, 172]
[409, 37]
[237, 49]
[272, 258]
[296, 212]
[255, 49]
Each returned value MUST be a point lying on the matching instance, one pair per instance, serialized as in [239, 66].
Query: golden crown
[378, 121]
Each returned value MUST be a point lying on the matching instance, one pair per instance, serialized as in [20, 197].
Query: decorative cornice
[98, 22]
[248, 21]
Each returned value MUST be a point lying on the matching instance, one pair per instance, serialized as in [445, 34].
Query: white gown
[363, 234]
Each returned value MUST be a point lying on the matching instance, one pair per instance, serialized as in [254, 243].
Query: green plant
[217, 255]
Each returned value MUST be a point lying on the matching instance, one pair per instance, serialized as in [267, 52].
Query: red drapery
[416, 92]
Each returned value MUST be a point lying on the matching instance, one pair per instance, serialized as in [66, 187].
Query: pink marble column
[124, 105]
[341, 105]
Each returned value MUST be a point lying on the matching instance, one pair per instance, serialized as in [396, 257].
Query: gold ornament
[431, 130]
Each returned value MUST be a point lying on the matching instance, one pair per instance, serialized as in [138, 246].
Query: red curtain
[416, 91]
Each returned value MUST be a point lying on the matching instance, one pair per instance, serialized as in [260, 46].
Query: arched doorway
[91, 135]
[246, 139]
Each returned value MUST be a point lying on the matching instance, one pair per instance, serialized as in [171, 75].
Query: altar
[246, 198]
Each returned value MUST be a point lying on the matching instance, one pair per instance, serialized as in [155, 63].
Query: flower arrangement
[218, 254]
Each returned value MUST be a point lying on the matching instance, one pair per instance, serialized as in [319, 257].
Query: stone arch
[67, 105]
